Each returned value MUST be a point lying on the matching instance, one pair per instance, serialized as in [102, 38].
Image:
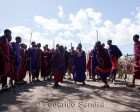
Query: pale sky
[72, 21]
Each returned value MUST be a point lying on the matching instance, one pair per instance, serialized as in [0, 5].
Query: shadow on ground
[28, 95]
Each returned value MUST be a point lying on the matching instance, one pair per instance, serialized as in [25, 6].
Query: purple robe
[18, 59]
[34, 59]
[79, 66]
[94, 61]
[113, 50]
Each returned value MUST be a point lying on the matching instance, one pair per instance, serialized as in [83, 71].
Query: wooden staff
[57, 68]
[53, 44]
[30, 58]
[71, 46]
[97, 34]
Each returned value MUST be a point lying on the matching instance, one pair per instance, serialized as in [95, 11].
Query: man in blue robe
[79, 65]
[93, 63]
[34, 61]
[18, 59]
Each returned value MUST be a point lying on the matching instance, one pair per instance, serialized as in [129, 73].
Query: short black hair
[61, 47]
[109, 41]
[7, 31]
[79, 44]
[39, 45]
[98, 43]
[18, 37]
[33, 43]
[136, 36]
[57, 45]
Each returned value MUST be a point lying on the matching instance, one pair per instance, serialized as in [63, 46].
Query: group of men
[11, 55]
[16, 60]
[104, 62]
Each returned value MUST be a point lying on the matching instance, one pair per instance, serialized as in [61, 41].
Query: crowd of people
[16, 60]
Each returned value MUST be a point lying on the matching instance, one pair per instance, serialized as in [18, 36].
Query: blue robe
[79, 66]
[113, 50]
[18, 59]
[34, 54]
[94, 61]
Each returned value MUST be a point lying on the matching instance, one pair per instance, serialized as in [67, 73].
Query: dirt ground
[42, 97]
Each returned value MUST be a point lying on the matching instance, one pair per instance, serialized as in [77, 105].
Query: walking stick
[91, 66]
[30, 59]
[97, 34]
[49, 76]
